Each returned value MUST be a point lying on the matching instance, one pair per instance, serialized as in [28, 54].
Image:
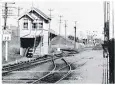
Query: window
[34, 25]
[25, 25]
[40, 24]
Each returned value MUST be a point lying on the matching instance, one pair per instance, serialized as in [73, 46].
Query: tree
[73, 38]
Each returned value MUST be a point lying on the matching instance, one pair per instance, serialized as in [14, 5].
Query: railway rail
[48, 73]
[68, 72]
[17, 66]
[10, 66]
[53, 71]
[21, 65]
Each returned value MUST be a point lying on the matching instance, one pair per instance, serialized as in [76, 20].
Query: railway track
[26, 64]
[41, 80]
[68, 72]
[10, 66]
[54, 71]
[48, 73]
[64, 74]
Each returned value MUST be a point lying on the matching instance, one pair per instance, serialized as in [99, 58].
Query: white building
[34, 32]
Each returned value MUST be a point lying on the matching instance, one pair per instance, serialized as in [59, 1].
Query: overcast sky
[88, 14]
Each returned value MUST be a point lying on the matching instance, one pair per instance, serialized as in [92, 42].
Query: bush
[97, 47]
[14, 50]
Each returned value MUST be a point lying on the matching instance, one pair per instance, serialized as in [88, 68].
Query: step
[37, 49]
[29, 54]
[30, 51]
[36, 54]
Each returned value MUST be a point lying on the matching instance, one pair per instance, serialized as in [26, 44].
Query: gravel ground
[32, 73]
[87, 67]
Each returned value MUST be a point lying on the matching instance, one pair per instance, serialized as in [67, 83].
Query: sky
[88, 14]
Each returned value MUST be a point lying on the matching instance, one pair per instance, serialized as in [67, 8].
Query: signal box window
[34, 25]
[25, 25]
[40, 24]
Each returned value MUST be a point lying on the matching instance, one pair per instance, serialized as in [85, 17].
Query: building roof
[37, 11]
[28, 15]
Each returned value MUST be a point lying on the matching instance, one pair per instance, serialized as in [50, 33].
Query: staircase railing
[26, 51]
[34, 47]
[34, 42]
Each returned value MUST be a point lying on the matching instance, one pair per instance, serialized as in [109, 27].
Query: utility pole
[75, 35]
[6, 35]
[107, 37]
[50, 10]
[49, 37]
[113, 18]
[18, 20]
[60, 21]
[5, 15]
[65, 30]
[106, 72]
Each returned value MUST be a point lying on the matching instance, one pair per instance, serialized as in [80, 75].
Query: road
[87, 67]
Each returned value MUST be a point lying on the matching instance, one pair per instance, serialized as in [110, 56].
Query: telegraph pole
[107, 35]
[113, 18]
[65, 30]
[49, 37]
[50, 10]
[6, 35]
[5, 15]
[60, 21]
[75, 35]
[18, 20]
[18, 9]
[107, 74]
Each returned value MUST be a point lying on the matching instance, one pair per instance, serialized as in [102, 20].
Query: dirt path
[87, 67]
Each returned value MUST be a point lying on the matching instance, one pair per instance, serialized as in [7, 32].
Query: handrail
[26, 51]
[34, 41]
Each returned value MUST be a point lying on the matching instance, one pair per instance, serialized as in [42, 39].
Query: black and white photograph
[57, 41]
